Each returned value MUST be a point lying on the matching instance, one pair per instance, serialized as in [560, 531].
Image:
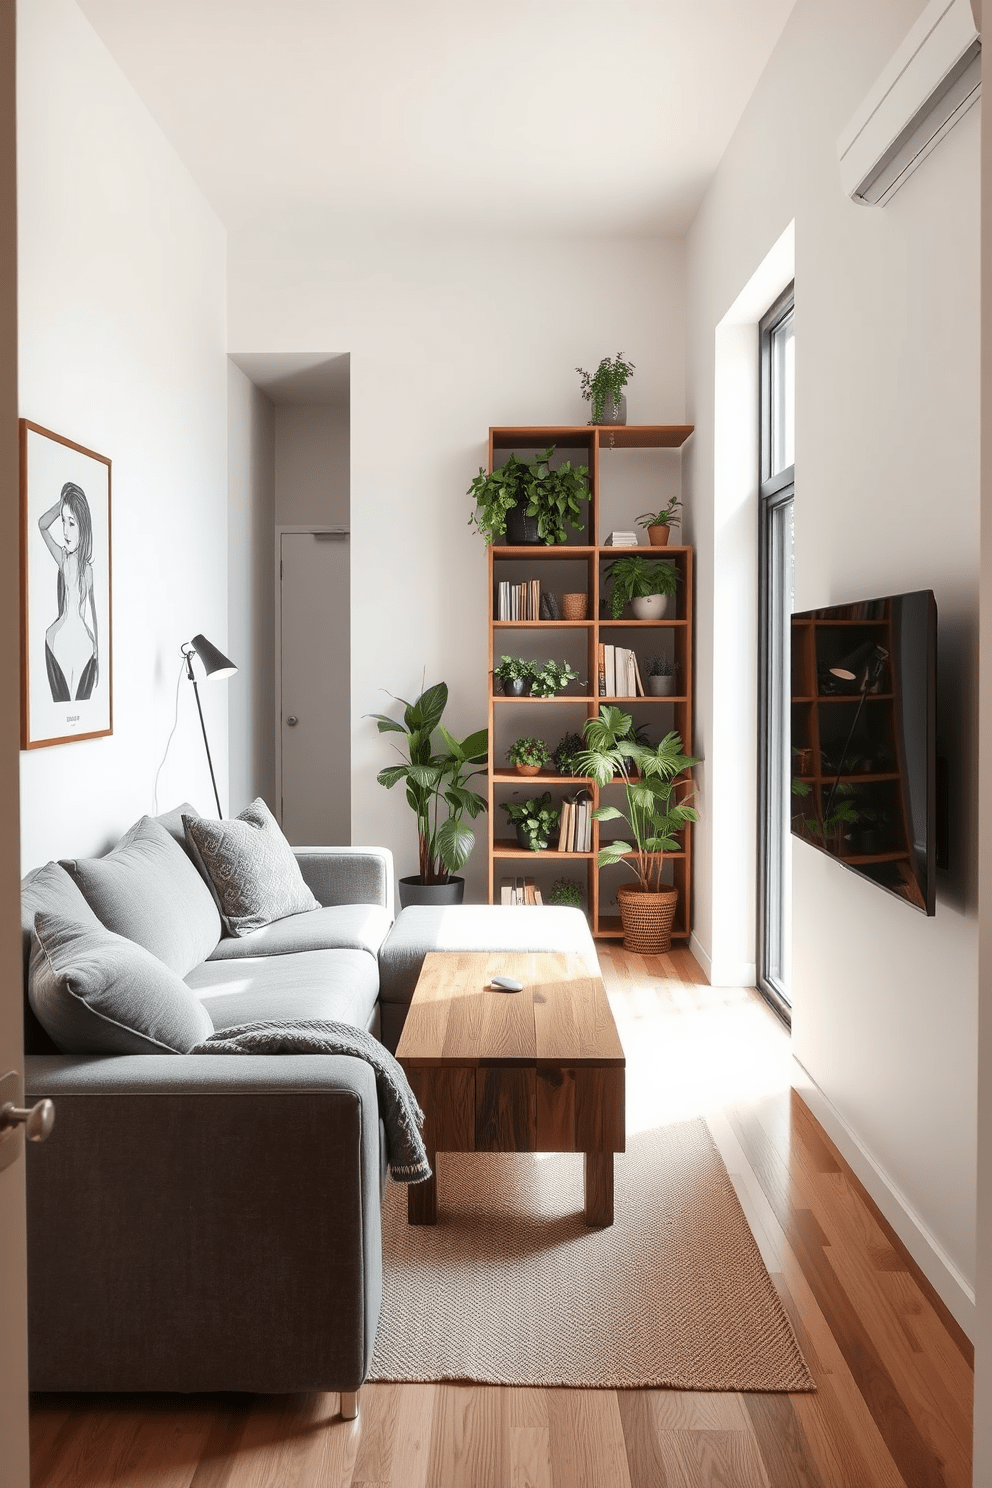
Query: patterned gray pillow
[251, 865]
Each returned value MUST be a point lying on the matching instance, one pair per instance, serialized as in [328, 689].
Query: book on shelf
[619, 673]
[506, 891]
[575, 834]
[537, 895]
[519, 601]
[529, 891]
[621, 540]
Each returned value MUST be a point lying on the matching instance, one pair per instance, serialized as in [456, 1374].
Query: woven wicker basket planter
[647, 919]
[575, 606]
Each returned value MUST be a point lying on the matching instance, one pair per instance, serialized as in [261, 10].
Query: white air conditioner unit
[933, 79]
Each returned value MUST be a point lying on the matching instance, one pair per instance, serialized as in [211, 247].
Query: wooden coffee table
[540, 1070]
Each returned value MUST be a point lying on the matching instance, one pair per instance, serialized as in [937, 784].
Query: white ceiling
[531, 116]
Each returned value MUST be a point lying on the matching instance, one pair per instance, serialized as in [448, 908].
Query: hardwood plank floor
[893, 1370]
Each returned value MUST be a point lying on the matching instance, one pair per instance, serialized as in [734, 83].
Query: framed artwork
[66, 643]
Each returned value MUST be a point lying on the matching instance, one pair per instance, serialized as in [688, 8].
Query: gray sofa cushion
[251, 865]
[148, 890]
[50, 889]
[340, 985]
[354, 927]
[99, 993]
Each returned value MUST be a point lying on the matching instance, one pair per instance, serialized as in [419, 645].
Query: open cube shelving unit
[573, 566]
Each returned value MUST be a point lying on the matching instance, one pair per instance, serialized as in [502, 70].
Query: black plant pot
[521, 530]
[524, 841]
[519, 687]
[412, 891]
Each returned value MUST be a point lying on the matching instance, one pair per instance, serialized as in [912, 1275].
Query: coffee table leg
[421, 1198]
[599, 1188]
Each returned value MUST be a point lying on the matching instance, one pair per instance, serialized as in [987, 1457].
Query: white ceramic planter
[650, 607]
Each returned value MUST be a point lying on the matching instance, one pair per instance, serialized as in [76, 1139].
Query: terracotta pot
[575, 606]
[528, 769]
[647, 919]
[650, 606]
[658, 535]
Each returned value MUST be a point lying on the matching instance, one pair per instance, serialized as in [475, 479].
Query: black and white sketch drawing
[65, 519]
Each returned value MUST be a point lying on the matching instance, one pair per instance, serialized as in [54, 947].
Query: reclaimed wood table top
[561, 1017]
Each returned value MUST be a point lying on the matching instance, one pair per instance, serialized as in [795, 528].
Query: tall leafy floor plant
[655, 813]
[437, 787]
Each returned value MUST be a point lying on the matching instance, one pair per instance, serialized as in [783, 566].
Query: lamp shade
[216, 665]
[859, 660]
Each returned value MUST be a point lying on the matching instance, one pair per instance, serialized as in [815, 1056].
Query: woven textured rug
[512, 1288]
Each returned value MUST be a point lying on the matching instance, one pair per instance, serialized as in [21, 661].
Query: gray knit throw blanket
[398, 1106]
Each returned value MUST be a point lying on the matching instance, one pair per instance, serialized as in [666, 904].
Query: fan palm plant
[654, 811]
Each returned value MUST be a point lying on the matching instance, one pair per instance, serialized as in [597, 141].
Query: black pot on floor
[412, 891]
[521, 530]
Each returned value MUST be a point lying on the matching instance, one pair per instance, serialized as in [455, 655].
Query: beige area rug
[512, 1288]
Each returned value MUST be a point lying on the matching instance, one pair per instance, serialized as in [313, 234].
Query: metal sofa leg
[349, 1405]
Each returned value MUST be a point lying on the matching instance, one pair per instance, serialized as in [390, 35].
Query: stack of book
[621, 540]
[619, 674]
[575, 832]
[519, 601]
[519, 891]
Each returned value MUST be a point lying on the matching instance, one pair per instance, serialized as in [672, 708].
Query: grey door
[315, 689]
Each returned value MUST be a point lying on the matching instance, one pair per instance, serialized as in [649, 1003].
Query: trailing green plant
[437, 788]
[567, 751]
[654, 811]
[514, 669]
[551, 678]
[662, 518]
[553, 496]
[566, 891]
[536, 817]
[634, 577]
[662, 666]
[528, 752]
[611, 376]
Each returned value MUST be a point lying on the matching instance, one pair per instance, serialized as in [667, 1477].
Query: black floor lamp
[216, 667]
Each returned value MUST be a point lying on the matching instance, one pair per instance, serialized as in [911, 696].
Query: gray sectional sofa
[207, 1222]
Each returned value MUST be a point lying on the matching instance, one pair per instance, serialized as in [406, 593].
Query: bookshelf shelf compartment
[673, 637]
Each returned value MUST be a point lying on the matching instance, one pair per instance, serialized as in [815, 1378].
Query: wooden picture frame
[66, 640]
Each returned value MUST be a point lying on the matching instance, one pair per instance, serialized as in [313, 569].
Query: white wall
[886, 500]
[251, 589]
[446, 337]
[122, 349]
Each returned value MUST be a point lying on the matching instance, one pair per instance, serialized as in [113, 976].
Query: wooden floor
[893, 1406]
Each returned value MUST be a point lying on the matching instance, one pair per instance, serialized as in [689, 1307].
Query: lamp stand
[196, 693]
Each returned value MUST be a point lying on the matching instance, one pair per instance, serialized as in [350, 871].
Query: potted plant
[661, 676]
[603, 389]
[438, 792]
[644, 583]
[550, 678]
[566, 891]
[535, 820]
[567, 753]
[515, 675]
[658, 523]
[654, 814]
[530, 502]
[529, 756]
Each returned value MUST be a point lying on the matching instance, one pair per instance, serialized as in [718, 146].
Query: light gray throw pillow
[95, 992]
[252, 868]
[148, 890]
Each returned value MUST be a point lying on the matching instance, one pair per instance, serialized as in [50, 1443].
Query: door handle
[36, 1120]
[292, 720]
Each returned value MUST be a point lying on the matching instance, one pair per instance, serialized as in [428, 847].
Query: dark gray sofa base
[137, 1283]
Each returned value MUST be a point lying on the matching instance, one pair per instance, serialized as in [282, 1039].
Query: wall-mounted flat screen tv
[864, 739]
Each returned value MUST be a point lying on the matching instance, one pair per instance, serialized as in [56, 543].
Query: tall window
[776, 594]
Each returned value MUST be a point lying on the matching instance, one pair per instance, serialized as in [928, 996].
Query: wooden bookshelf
[551, 718]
